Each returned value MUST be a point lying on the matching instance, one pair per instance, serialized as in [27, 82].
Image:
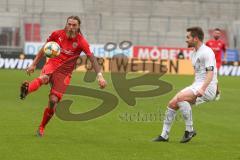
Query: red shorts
[59, 83]
[50, 67]
[58, 80]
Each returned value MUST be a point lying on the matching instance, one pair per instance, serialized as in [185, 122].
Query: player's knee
[172, 104]
[45, 79]
[180, 98]
[53, 100]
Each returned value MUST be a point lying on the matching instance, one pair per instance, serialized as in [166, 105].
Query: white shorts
[209, 95]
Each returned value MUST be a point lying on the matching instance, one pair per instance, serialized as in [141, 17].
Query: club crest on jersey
[197, 65]
[60, 39]
[74, 45]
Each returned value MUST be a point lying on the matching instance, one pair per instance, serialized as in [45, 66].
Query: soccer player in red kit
[57, 71]
[218, 46]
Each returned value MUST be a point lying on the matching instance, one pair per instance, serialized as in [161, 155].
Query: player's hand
[30, 69]
[101, 81]
[200, 92]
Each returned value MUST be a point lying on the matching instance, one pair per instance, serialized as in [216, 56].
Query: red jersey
[71, 48]
[218, 46]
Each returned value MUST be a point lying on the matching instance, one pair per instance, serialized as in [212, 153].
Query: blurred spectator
[180, 55]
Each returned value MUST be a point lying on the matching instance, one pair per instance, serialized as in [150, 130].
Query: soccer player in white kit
[202, 90]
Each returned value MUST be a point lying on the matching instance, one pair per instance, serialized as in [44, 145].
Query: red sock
[34, 85]
[47, 115]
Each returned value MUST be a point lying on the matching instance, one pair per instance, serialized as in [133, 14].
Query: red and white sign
[155, 52]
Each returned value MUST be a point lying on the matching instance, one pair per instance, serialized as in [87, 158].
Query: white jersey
[201, 59]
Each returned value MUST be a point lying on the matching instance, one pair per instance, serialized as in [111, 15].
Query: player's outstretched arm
[101, 81]
[36, 60]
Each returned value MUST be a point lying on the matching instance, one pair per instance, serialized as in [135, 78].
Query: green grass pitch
[120, 134]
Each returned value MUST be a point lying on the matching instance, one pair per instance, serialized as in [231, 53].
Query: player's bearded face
[191, 42]
[216, 35]
[72, 28]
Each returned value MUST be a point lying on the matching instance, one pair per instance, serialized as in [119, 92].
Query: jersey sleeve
[52, 37]
[207, 43]
[86, 48]
[209, 59]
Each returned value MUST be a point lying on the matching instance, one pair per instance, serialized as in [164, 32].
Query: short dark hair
[217, 29]
[196, 32]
